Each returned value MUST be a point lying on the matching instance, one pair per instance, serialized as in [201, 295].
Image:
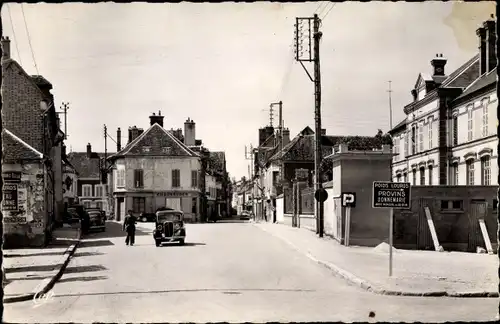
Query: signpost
[348, 201]
[391, 195]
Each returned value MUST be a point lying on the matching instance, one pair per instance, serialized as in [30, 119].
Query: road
[226, 272]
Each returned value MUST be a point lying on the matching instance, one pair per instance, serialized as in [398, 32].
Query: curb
[49, 284]
[366, 285]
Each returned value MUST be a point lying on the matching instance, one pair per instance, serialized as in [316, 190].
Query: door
[121, 209]
[424, 237]
[477, 212]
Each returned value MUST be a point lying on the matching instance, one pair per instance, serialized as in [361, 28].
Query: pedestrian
[129, 227]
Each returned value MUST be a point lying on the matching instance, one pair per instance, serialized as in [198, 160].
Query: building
[70, 181]
[31, 159]
[449, 134]
[155, 169]
[91, 191]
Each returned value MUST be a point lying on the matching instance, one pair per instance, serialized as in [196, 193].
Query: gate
[424, 237]
[477, 211]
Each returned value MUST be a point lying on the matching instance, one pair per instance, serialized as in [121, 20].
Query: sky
[222, 65]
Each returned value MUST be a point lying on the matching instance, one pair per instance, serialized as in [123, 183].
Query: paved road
[225, 272]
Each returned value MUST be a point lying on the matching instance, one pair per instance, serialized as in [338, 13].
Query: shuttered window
[138, 178]
[194, 178]
[176, 178]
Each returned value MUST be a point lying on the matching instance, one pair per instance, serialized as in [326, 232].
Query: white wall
[280, 210]
[210, 183]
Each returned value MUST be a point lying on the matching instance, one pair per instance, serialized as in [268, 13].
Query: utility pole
[271, 115]
[280, 129]
[390, 105]
[304, 54]
[65, 108]
[105, 151]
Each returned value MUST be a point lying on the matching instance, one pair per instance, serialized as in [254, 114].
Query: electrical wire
[328, 11]
[29, 39]
[14, 34]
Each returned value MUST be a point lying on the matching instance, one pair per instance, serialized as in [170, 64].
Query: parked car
[169, 227]
[97, 220]
[147, 217]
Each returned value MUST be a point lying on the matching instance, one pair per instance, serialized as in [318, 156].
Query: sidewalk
[33, 270]
[415, 273]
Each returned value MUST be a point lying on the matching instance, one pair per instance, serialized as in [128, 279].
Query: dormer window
[166, 149]
[146, 149]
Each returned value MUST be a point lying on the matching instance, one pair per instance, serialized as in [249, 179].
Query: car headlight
[159, 227]
[177, 226]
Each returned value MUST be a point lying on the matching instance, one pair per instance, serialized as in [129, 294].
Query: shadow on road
[79, 269]
[48, 267]
[115, 229]
[185, 244]
[83, 278]
[235, 220]
[32, 254]
[85, 244]
[86, 254]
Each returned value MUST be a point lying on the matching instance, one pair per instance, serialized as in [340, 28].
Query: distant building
[31, 159]
[449, 134]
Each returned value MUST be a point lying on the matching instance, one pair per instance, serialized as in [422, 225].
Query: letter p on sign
[348, 199]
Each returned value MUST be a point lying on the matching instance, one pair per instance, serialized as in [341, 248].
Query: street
[227, 271]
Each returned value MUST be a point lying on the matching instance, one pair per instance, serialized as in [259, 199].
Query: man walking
[129, 227]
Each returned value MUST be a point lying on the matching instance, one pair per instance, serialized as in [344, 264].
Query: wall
[210, 185]
[454, 227]
[26, 228]
[58, 179]
[71, 191]
[21, 106]
[280, 217]
[476, 151]
[157, 172]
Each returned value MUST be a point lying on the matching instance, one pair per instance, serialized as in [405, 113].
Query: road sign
[348, 199]
[388, 194]
[321, 195]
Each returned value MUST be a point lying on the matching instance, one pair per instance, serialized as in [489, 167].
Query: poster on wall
[22, 203]
[9, 202]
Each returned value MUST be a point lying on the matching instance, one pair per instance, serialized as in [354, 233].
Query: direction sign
[391, 194]
[348, 199]
[321, 195]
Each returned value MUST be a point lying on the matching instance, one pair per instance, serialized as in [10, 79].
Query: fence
[288, 200]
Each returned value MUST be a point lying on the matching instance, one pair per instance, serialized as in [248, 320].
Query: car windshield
[168, 216]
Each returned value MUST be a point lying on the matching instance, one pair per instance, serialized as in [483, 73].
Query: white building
[449, 134]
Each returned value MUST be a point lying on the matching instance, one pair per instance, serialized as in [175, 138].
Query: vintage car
[97, 220]
[169, 227]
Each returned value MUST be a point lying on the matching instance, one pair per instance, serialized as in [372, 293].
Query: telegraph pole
[271, 115]
[64, 108]
[390, 105]
[304, 54]
[105, 150]
[280, 129]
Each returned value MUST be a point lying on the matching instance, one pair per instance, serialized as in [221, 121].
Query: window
[413, 140]
[414, 177]
[194, 178]
[138, 204]
[176, 178]
[138, 178]
[99, 204]
[429, 130]
[396, 148]
[452, 205]
[455, 173]
[398, 178]
[430, 175]
[166, 149]
[405, 177]
[421, 138]
[470, 172]
[193, 205]
[485, 116]
[406, 144]
[485, 171]
[422, 176]
[146, 149]
[87, 191]
[120, 178]
[98, 191]
[455, 130]
[469, 124]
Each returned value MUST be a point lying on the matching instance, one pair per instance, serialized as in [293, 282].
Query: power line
[14, 34]
[328, 11]
[29, 39]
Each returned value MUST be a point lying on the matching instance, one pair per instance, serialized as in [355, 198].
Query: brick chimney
[189, 132]
[118, 139]
[481, 32]
[490, 42]
[5, 48]
[438, 64]
[156, 119]
[286, 136]
[89, 150]
[133, 133]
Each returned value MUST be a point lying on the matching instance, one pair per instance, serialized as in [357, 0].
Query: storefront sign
[172, 194]
[9, 202]
[11, 176]
[14, 219]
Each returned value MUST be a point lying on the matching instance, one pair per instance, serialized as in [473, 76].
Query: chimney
[89, 150]
[490, 42]
[63, 150]
[438, 64]
[156, 119]
[189, 132]
[118, 140]
[133, 133]
[5, 48]
[286, 136]
[481, 32]
[343, 148]
[414, 94]
[139, 132]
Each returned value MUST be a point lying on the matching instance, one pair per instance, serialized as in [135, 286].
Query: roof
[40, 80]
[482, 82]
[466, 71]
[84, 166]
[15, 149]
[156, 139]
[399, 125]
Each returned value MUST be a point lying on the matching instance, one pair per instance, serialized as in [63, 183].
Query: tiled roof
[484, 81]
[40, 80]
[400, 124]
[456, 79]
[154, 141]
[86, 167]
[15, 149]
